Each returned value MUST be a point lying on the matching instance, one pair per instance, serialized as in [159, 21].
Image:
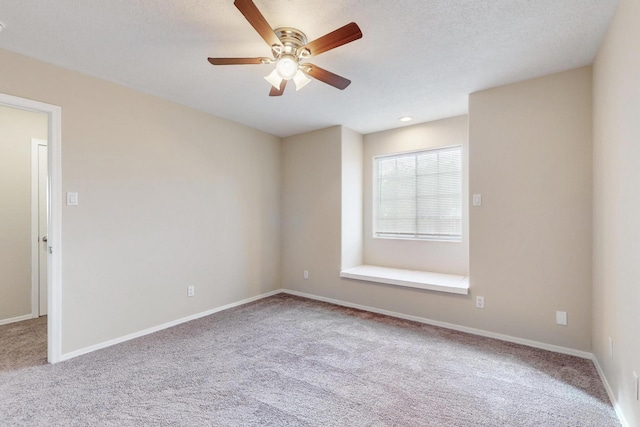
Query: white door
[43, 189]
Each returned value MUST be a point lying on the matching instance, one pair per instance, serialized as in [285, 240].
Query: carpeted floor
[23, 344]
[288, 361]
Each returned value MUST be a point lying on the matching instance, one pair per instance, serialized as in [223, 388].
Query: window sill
[449, 283]
[416, 239]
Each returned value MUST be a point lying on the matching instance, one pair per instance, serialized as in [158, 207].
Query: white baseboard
[452, 326]
[612, 397]
[157, 328]
[16, 319]
[473, 331]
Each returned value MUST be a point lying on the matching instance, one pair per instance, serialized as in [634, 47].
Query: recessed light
[405, 119]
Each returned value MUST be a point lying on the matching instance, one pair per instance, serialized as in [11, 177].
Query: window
[419, 195]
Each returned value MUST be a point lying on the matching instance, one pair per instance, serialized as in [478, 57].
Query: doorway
[49, 190]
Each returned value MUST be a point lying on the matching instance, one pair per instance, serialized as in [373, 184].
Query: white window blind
[419, 195]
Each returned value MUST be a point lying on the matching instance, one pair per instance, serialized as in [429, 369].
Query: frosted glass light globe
[287, 66]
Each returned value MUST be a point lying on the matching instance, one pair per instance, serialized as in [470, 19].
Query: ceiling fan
[290, 48]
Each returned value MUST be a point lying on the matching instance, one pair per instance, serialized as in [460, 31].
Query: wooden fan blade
[278, 92]
[257, 21]
[237, 61]
[343, 35]
[328, 77]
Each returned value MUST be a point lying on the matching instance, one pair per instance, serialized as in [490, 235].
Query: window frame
[375, 193]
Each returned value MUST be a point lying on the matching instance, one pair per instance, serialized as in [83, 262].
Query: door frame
[35, 226]
[54, 244]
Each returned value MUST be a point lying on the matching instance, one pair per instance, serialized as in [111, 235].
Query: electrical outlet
[305, 274]
[636, 385]
[561, 318]
[479, 302]
[610, 348]
[191, 291]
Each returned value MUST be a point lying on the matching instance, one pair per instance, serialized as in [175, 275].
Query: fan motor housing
[292, 39]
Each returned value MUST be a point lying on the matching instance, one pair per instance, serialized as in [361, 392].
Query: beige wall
[616, 252]
[352, 250]
[17, 127]
[311, 215]
[169, 197]
[530, 255]
[441, 257]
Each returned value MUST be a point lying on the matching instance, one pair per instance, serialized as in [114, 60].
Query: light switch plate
[477, 200]
[72, 199]
[561, 318]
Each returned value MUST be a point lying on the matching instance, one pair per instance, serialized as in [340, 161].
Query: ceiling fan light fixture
[274, 78]
[287, 66]
[301, 80]
[290, 47]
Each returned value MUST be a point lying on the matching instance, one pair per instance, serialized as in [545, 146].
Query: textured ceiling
[417, 57]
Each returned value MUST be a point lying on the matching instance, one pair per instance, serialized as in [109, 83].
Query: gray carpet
[287, 361]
